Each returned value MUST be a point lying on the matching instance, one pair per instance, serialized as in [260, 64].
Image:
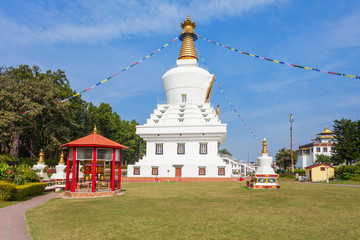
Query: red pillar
[77, 173]
[94, 170]
[113, 171]
[67, 170]
[73, 171]
[119, 171]
[111, 177]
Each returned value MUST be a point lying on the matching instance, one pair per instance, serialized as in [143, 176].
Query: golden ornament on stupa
[41, 157]
[188, 36]
[264, 149]
[61, 158]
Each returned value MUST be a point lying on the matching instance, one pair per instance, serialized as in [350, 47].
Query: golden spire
[264, 149]
[61, 158]
[188, 36]
[41, 157]
[95, 130]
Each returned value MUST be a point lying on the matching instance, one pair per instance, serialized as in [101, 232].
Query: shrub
[3, 170]
[300, 171]
[23, 174]
[356, 177]
[7, 191]
[348, 172]
[13, 192]
[7, 158]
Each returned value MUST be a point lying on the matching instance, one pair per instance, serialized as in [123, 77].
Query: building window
[159, 148]
[317, 149]
[325, 149]
[155, 171]
[203, 148]
[202, 171]
[221, 171]
[181, 148]
[183, 97]
[136, 170]
[312, 150]
[322, 169]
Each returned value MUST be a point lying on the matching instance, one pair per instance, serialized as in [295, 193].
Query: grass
[203, 211]
[7, 203]
[350, 182]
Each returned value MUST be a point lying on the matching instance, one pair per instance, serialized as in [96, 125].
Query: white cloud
[94, 21]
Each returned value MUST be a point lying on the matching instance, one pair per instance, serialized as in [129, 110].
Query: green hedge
[13, 192]
[348, 172]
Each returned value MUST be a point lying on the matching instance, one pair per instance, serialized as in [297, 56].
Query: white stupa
[183, 136]
[42, 170]
[60, 176]
[41, 167]
[265, 176]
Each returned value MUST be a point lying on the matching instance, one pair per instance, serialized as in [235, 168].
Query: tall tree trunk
[14, 150]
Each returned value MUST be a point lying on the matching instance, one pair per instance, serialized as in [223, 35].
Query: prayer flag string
[107, 79]
[277, 61]
[232, 106]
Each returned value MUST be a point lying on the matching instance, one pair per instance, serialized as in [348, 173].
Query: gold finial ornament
[95, 130]
[61, 158]
[41, 157]
[188, 36]
[217, 110]
[209, 90]
[264, 149]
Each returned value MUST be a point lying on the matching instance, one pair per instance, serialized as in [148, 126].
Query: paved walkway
[12, 219]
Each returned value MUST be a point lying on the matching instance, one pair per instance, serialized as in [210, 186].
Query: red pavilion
[96, 153]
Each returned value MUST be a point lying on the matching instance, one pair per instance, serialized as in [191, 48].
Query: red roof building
[95, 153]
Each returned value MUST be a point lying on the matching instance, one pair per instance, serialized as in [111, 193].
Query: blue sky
[91, 40]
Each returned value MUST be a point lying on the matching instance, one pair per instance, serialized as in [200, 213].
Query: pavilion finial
[264, 149]
[95, 130]
[188, 36]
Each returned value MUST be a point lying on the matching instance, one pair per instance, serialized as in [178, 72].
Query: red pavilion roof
[94, 140]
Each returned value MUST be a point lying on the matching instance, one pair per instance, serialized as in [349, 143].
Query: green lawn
[203, 211]
[7, 203]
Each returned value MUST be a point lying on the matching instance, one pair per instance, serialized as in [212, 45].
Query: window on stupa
[136, 170]
[202, 171]
[159, 148]
[155, 171]
[221, 171]
[203, 148]
[181, 148]
[183, 98]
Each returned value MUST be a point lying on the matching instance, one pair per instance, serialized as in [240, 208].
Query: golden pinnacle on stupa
[188, 36]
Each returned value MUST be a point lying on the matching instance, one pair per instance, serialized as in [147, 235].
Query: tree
[347, 148]
[47, 124]
[224, 151]
[283, 158]
[321, 158]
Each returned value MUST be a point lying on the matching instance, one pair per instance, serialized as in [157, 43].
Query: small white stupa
[265, 176]
[60, 176]
[42, 170]
[41, 167]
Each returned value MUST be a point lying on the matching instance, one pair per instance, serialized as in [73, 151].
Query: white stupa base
[261, 181]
